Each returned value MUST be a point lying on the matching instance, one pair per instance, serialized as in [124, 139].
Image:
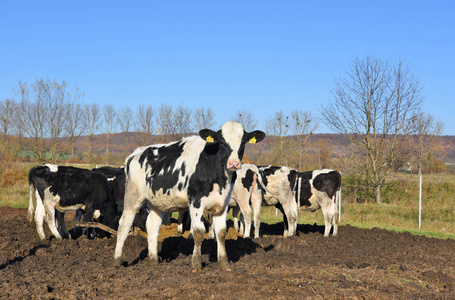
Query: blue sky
[260, 56]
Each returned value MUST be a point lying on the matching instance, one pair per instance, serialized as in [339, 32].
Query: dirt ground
[357, 264]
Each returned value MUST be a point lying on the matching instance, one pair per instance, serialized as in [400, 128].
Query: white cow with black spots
[319, 189]
[194, 173]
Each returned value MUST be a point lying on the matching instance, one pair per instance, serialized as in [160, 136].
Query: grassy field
[399, 211]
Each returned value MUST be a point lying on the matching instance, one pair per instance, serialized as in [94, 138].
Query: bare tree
[75, 123]
[145, 123]
[6, 119]
[278, 126]
[43, 117]
[372, 105]
[426, 130]
[164, 119]
[303, 124]
[246, 118]
[204, 118]
[92, 123]
[109, 125]
[7, 108]
[125, 121]
[182, 121]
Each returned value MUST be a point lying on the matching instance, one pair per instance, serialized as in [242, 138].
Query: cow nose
[234, 164]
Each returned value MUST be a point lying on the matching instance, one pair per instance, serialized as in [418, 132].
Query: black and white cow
[194, 173]
[62, 188]
[116, 178]
[244, 195]
[256, 186]
[318, 189]
[275, 186]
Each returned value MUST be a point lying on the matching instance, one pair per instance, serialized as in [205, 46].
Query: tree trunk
[378, 194]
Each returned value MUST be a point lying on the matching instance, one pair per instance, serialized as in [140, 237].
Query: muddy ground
[358, 263]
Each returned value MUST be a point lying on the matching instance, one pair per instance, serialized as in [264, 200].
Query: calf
[318, 189]
[116, 178]
[278, 189]
[194, 173]
[64, 188]
[244, 194]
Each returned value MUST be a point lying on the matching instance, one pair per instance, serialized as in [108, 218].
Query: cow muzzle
[234, 164]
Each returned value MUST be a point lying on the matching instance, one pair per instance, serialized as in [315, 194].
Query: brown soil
[358, 263]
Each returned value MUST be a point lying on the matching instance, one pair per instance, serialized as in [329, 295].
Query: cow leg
[235, 217]
[77, 231]
[88, 217]
[198, 229]
[328, 213]
[246, 212]
[256, 202]
[180, 221]
[125, 223]
[219, 224]
[154, 220]
[50, 220]
[289, 218]
[49, 209]
[241, 224]
[39, 216]
[61, 226]
[285, 219]
[290, 209]
[183, 221]
[335, 215]
[31, 209]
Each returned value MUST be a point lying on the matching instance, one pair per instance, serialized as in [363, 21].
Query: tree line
[48, 118]
[376, 106]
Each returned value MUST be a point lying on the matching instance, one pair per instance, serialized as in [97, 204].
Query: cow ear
[255, 136]
[208, 135]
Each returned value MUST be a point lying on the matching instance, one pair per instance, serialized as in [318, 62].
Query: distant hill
[337, 144]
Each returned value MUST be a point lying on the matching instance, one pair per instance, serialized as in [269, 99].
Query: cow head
[232, 139]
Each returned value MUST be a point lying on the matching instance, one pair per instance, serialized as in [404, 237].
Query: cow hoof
[196, 267]
[224, 265]
[226, 268]
[118, 262]
[153, 262]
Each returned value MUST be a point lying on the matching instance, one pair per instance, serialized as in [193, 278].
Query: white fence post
[420, 201]
[339, 205]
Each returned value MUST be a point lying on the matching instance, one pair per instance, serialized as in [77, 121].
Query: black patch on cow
[234, 177]
[161, 165]
[182, 168]
[266, 171]
[292, 177]
[210, 170]
[117, 184]
[247, 181]
[305, 189]
[128, 164]
[328, 183]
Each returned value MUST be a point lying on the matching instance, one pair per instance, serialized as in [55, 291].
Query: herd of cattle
[194, 175]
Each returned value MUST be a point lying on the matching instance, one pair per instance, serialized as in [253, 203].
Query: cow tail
[337, 198]
[299, 186]
[264, 188]
[255, 183]
[31, 208]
